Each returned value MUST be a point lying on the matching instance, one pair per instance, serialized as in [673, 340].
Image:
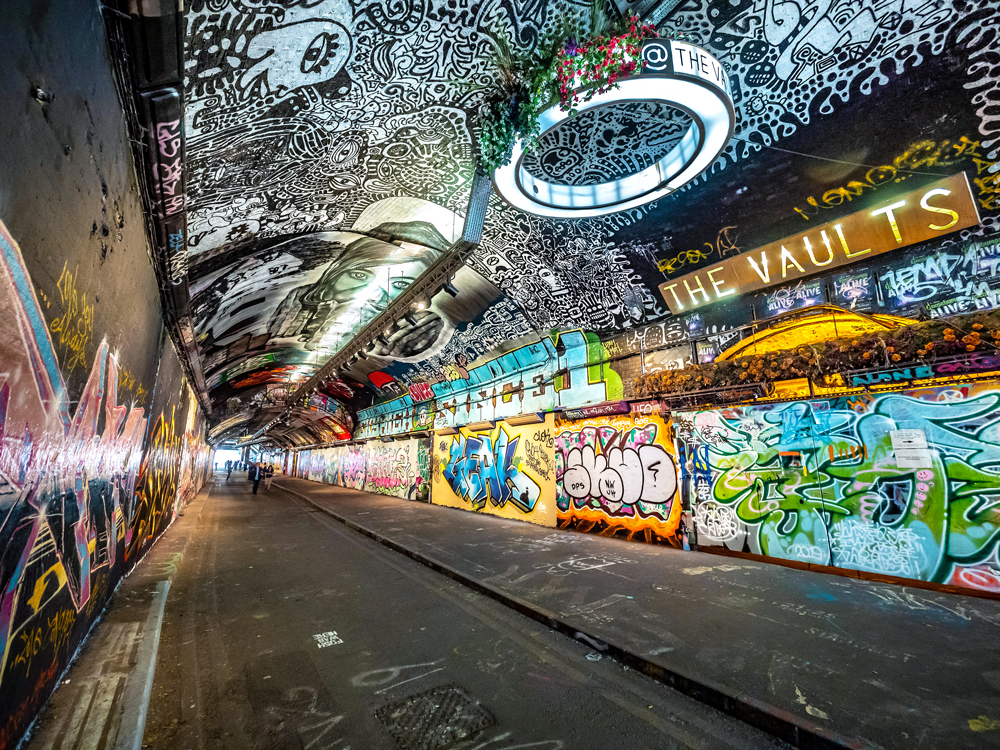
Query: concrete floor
[862, 663]
[284, 629]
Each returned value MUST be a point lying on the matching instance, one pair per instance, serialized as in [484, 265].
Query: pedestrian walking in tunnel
[229, 469]
[268, 477]
[256, 474]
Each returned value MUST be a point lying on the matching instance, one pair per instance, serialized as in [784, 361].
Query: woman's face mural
[331, 284]
[385, 282]
[354, 289]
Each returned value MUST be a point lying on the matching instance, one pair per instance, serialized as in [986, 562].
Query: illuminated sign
[938, 209]
[680, 74]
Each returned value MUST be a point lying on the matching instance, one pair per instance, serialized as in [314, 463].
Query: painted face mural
[897, 484]
[279, 65]
[296, 304]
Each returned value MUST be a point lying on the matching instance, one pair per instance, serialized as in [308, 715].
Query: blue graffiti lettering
[481, 469]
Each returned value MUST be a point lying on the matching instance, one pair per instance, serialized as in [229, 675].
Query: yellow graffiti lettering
[984, 724]
[919, 155]
[75, 327]
[42, 584]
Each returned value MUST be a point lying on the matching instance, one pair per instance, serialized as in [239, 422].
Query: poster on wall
[504, 470]
[855, 289]
[617, 476]
[942, 282]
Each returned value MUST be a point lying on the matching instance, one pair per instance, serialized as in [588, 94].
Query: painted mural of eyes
[359, 275]
[319, 52]
[347, 153]
[400, 284]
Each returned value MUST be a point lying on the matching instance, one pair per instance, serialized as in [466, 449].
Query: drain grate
[434, 719]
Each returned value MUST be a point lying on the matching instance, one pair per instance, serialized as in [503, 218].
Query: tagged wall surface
[101, 441]
[400, 468]
[86, 487]
[903, 484]
[505, 471]
[616, 476]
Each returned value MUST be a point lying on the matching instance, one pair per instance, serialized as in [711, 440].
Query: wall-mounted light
[409, 318]
[446, 431]
[361, 354]
[447, 287]
[421, 305]
[531, 417]
[485, 424]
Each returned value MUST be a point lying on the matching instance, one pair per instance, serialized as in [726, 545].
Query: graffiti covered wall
[176, 458]
[567, 369]
[505, 471]
[86, 487]
[100, 440]
[616, 476]
[903, 484]
[400, 468]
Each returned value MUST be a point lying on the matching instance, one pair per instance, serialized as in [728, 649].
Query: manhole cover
[434, 719]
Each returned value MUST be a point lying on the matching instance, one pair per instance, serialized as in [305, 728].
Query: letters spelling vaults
[938, 209]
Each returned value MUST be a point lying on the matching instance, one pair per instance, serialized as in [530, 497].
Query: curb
[771, 719]
[135, 698]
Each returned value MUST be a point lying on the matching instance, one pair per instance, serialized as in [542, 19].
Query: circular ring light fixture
[682, 75]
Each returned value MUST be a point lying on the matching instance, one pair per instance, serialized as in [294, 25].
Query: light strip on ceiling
[712, 121]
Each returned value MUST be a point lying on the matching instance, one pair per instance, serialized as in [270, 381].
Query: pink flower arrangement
[598, 64]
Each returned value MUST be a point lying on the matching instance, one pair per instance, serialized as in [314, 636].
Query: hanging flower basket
[615, 69]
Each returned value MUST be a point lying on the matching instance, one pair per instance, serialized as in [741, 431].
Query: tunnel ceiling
[331, 148]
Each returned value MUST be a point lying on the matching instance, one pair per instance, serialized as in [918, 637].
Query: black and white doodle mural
[606, 144]
[332, 143]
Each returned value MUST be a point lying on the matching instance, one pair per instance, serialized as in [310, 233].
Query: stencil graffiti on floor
[329, 638]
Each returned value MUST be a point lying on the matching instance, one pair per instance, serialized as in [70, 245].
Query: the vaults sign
[932, 211]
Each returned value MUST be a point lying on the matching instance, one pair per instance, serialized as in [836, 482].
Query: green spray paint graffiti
[904, 484]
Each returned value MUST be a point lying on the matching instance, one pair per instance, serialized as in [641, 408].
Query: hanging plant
[496, 135]
[560, 70]
[580, 72]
